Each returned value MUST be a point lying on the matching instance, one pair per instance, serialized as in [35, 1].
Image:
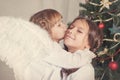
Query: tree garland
[105, 51]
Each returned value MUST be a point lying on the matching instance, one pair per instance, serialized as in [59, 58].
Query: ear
[87, 46]
[87, 43]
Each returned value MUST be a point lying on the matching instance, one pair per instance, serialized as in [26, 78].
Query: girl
[84, 35]
[51, 21]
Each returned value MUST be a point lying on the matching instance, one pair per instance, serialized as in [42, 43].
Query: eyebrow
[75, 26]
[72, 25]
[81, 28]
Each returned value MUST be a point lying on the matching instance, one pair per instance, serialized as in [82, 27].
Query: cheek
[59, 34]
[79, 42]
[60, 31]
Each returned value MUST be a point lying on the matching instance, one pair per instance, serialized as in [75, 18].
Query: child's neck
[71, 50]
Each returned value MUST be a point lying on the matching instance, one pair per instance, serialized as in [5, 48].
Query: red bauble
[101, 25]
[113, 65]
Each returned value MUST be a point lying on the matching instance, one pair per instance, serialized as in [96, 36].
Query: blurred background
[25, 8]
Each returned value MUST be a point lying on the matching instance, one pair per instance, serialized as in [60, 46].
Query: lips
[67, 36]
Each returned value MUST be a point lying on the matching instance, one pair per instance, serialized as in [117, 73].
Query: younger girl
[51, 21]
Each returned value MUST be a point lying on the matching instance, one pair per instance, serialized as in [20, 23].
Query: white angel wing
[21, 41]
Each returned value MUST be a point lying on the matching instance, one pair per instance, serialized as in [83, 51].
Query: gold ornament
[105, 51]
[106, 4]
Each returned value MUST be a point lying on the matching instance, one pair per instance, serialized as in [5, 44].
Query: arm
[66, 59]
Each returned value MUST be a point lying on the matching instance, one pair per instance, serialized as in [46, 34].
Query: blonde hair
[46, 18]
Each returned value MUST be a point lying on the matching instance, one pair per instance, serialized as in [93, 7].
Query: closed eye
[79, 31]
[59, 25]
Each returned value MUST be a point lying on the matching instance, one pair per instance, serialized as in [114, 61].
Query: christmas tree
[106, 14]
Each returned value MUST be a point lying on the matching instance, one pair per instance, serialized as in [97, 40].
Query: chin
[67, 43]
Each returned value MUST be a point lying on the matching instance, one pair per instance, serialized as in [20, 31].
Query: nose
[71, 31]
[68, 31]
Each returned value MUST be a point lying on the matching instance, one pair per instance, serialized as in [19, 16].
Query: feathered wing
[21, 42]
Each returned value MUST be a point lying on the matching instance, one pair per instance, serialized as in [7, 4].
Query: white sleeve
[62, 58]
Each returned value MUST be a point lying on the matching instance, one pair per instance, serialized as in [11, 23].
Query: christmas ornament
[114, 29]
[115, 39]
[106, 4]
[101, 25]
[103, 4]
[105, 51]
[113, 65]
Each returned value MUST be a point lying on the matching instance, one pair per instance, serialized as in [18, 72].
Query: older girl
[83, 35]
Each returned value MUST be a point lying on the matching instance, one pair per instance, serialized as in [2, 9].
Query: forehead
[54, 18]
[82, 24]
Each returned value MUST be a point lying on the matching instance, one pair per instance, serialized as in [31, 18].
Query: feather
[21, 41]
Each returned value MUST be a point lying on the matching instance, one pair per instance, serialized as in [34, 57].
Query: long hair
[95, 34]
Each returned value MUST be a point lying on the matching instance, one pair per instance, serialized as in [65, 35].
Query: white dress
[29, 50]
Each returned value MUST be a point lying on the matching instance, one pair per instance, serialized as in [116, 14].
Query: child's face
[76, 37]
[58, 31]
